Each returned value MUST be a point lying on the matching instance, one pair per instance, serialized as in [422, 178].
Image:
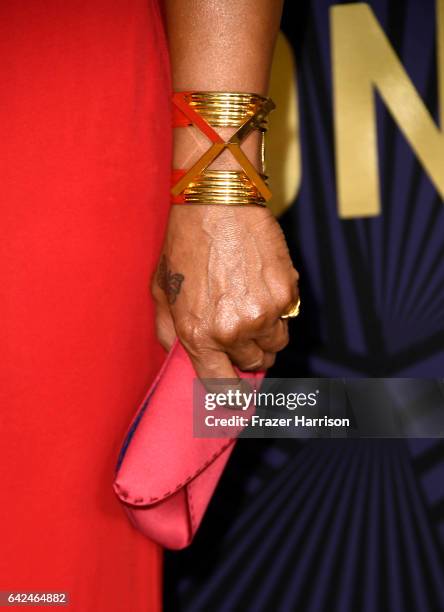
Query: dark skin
[225, 274]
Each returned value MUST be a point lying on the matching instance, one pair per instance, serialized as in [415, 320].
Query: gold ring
[292, 311]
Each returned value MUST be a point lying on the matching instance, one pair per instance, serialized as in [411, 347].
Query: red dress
[84, 173]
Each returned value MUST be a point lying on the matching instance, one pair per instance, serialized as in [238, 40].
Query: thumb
[212, 363]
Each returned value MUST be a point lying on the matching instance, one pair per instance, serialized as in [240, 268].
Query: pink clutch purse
[165, 476]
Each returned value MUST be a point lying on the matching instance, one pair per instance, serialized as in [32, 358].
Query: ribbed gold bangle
[229, 187]
[226, 109]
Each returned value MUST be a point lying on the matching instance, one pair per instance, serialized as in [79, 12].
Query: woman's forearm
[220, 45]
[224, 45]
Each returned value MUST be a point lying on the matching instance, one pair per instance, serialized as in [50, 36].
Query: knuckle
[259, 316]
[226, 335]
[246, 354]
[285, 298]
[269, 361]
[283, 342]
[254, 359]
[187, 330]
[295, 275]
[278, 341]
[281, 339]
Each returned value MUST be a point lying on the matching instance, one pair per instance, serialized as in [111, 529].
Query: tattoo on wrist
[170, 282]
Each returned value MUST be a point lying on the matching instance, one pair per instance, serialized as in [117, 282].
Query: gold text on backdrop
[363, 60]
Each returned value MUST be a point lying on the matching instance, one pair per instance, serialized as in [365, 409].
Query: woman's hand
[224, 279]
